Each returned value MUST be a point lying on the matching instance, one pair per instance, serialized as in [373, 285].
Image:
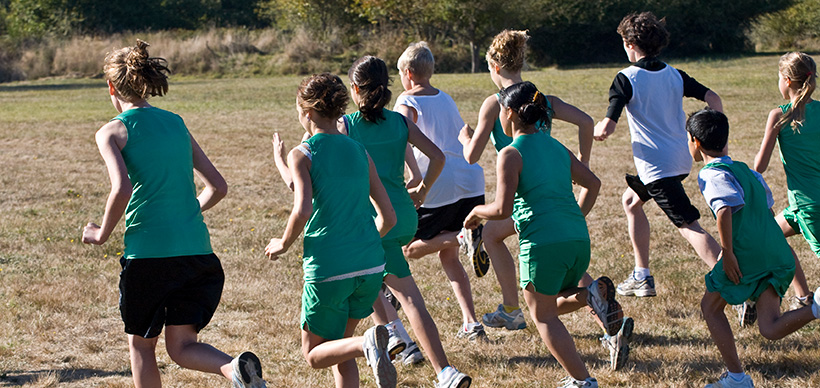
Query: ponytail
[369, 75]
[134, 74]
[798, 67]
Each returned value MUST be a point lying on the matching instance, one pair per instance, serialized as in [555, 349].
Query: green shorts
[806, 223]
[327, 306]
[552, 268]
[395, 262]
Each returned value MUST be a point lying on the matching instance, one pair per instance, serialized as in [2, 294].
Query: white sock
[444, 372]
[640, 273]
[399, 330]
[469, 326]
[737, 376]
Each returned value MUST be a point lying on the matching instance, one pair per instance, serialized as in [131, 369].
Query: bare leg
[799, 283]
[705, 245]
[638, 227]
[459, 281]
[712, 306]
[321, 353]
[424, 327]
[383, 311]
[420, 248]
[544, 312]
[503, 263]
[144, 361]
[774, 326]
[181, 343]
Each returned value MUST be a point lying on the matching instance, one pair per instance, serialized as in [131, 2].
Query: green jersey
[163, 218]
[801, 159]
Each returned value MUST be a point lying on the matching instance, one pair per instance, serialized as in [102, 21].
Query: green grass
[59, 322]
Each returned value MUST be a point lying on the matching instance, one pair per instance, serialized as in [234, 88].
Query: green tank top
[544, 209]
[163, 218]
[340, 236]
[757, 241]
[501, 140]
[386, 142]
[800, 154]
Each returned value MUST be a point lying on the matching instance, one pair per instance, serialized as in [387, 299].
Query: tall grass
[59, 322]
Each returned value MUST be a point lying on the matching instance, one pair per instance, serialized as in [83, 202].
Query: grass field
[59, 321]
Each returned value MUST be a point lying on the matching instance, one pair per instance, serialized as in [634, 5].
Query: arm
[279, 157]
[408, 111]
[110, 140]
[769, 139]
[584, 177]
[428, 148]
[474, 142]
[412, 168]
[713, 100]
[385, 215]
[573, 115]
[215, 186]
[730, 267]
[507, 170]
[302, 205]
[620, 92]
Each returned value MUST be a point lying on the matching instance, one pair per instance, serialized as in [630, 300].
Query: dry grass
[59, 323]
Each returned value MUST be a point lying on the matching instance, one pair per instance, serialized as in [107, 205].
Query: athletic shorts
[806, 223]
[668, 193]
[326, 306]
[156, 292]
[552, 268]
[395, 262]
[447, 218]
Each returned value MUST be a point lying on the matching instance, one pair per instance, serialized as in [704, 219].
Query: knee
[710, 305]
[630, 202]
[410, 252]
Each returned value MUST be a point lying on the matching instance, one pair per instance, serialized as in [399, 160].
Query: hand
[412, 183]
[417, 194]
[603, 129]
[278, 146]
[465, 135]
[730, 267]
[275, 248]
[92, 234]
[472, 221]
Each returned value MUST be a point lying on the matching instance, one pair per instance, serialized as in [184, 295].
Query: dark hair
[710, 127]
[325, 93]
[645, 31]
[134, 74]
[369, 74]
[530, 104]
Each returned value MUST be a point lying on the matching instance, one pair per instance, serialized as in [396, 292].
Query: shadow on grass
[83, 84]
[21, 378]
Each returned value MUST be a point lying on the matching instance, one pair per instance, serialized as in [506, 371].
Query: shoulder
[491, 104]
[113, 130]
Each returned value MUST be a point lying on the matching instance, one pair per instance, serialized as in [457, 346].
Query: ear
[111, 90]
[788, 81]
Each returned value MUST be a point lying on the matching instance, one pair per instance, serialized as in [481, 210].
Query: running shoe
[569, 382]
[635, 287]
[472, 245]
[375, 343]
[618, 344]
[410, 356]
[247, 371]
[500, 318]
[601, 297]
[725, 381]
[450, 377]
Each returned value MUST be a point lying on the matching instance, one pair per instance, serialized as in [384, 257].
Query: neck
[711, 158]
[519, 129]
[509, 78]
[324, 125]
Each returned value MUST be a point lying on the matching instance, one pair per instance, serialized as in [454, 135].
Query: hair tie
[808, 74]
[535, 96]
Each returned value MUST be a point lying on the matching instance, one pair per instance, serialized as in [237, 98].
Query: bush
[794, 28]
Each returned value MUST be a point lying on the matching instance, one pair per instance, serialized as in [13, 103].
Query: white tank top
[440, 121]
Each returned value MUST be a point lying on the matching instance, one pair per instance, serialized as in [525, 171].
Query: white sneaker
[247, 371]
[500, 318]
[618, 344]
[450, 377]
[796, 303]
[569, 382]
[375, 351]
[475, 332]
[410, 356]
[639, 288]
[815, 307]
[601, 297]
[727, 382]
[746, 313]
[395, 344]
[471, 244]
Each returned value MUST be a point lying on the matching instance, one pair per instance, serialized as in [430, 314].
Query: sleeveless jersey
[163, 218]
[800, 154]
[501, 140]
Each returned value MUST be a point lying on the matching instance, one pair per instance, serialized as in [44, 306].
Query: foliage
[795, 27]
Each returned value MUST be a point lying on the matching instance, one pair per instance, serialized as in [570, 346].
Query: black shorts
[155, 292]
[668, 193]
[449, 218]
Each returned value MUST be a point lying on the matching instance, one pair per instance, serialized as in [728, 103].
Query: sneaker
[410, 356]
[640, 288]
[475, 332]
[601, 297]
[569, 382]
[391, 298]
[471, 244]
[395, 345]
[450, 377]
[746, 313]
[375, 351]
[796, 303]
[618, 344]
[247, 371]
[727, 382]
[500, 318]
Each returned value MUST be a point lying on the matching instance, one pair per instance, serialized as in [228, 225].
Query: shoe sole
[393, 352]
[465, 382]
[384, 370]
[625, 334]
[607, 292]
[249, 369]
[481, 259]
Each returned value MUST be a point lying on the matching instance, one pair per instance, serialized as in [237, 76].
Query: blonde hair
[508, 50]
[418, 59]
[134, 74]
[798, 68]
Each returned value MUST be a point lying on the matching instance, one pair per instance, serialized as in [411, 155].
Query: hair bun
[138, 56]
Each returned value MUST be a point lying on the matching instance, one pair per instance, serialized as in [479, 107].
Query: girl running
[151, 159]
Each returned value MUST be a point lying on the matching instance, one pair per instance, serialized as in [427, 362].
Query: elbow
[437, 157]
[390, 220]
[122, 192]
[221, 190]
